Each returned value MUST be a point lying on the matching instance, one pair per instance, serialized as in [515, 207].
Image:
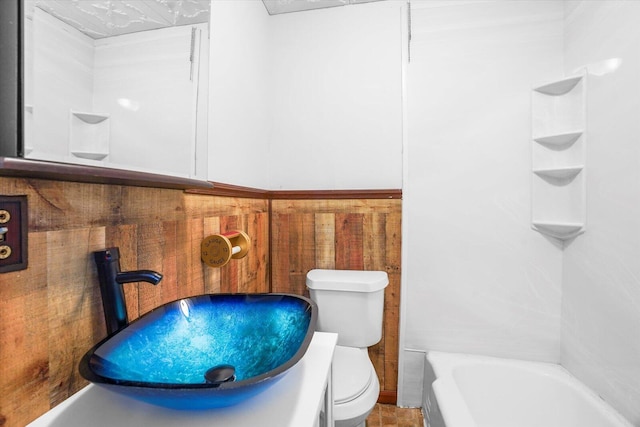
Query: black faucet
[111, 280]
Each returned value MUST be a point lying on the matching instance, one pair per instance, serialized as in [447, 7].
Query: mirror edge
[11, 82]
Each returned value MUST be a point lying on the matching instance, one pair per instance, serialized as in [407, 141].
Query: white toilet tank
[350, 303]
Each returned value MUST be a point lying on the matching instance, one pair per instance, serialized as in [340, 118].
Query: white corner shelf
[559, 140]
[89, 135]
[558, 87]
[565, 173]
[91, 118]
[558, 161]
[91, 155]
[28, 130]
[559, 230]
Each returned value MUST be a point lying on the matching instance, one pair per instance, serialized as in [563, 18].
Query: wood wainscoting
[349, 234]
[51, 313]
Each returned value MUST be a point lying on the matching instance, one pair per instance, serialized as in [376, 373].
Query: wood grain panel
[125, 237]
[301, 252]
[24, 352]
[210, 275]
[392, 299]
[151, 256]
[374, 241]
[325, 234]
[255, 264]
[349, 249]
[229, 273]
[280, 252]
[189, 278]
[73, 300]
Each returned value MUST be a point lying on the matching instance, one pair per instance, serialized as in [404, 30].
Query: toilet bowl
[351, 304]
[355, 386]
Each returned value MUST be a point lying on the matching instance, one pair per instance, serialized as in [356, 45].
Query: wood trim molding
[388, 397]
[335, 194]
[228, 190]
[220, 189]
[27, 168]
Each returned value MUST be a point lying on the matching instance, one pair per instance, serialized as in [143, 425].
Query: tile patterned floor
[391, 416]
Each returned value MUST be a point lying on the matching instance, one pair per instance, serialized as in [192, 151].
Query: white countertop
[293, 401]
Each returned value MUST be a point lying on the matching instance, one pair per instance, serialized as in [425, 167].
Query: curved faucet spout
[111, 280]
[148, 276]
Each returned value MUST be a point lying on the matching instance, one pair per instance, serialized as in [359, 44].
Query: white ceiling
[275, 7]
[105, 18]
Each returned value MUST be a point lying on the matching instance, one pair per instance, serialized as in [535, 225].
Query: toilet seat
[353, 373]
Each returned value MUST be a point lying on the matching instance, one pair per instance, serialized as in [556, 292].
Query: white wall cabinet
[558, 181]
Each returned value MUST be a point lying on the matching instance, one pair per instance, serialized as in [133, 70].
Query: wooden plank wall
[51, 313]
[359, 234]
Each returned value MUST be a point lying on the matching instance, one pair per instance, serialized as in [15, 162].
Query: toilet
[351, 303]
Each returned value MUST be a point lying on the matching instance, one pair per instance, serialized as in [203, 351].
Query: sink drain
[220, 374]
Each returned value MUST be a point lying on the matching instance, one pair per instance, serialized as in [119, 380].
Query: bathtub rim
[454, 409]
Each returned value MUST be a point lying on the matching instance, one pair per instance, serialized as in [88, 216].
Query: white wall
[239, 119]
[336, 98]
[478, 278]
[601, 280]
[307, 100]
[145, 82]
[62, 80]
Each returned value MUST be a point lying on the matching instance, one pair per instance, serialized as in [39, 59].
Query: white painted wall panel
[478, 278]
[62, 73]
[239, 112]
[335, 98]
[601, 280]
[145, 82]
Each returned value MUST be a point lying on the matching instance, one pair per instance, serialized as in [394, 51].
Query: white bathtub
[479, 391]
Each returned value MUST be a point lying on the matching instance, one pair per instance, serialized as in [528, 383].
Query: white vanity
[294, 401]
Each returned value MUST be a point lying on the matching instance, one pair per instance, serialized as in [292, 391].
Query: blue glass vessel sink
[206, 351]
